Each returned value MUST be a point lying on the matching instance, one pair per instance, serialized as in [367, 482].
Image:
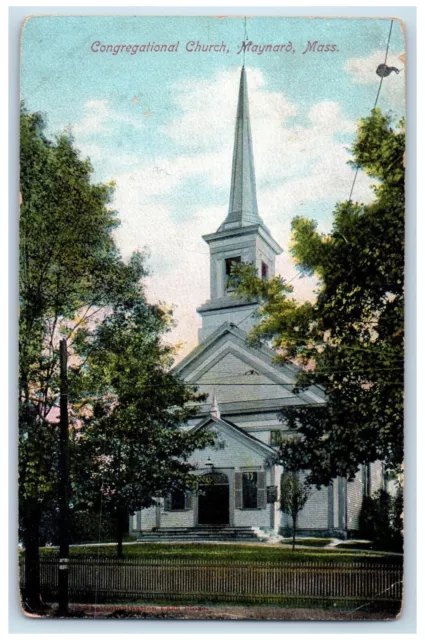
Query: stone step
[200, 536]
[209, 526]
[201, 532]
[215, 540]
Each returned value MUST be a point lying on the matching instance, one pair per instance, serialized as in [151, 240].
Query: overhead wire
[376, 102]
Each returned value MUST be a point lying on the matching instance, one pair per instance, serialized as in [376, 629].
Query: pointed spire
[243, 209]
[215, 409]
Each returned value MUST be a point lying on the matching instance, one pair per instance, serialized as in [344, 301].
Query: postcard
[211, 340]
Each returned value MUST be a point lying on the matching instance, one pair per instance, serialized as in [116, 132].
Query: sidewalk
[191, 612]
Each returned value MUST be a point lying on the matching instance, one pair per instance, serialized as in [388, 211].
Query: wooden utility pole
[63, 483]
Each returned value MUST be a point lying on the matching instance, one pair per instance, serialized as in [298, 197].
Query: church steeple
[242, 237]
[243, 208]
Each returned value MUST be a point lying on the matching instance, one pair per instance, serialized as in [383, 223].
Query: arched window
[214, 478]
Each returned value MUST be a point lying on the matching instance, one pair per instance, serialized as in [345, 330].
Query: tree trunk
[294, 528]
[120, 532]
[31, 591]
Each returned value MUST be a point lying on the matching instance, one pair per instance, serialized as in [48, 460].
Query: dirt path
[220, 613]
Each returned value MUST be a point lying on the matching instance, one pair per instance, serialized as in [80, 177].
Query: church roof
[243, 208]
[245, 376]
[236, 431]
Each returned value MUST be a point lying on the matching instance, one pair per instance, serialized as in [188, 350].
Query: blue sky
[161, 125]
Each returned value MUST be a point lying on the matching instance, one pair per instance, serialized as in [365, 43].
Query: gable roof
[240, 434]
[230, 339]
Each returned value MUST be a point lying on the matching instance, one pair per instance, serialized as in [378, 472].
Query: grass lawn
[228, 553]
[360, 546]
[309, 542]
[367, 546]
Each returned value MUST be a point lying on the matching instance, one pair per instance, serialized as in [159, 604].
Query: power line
[257, 384]
[286, 384]
[376, 101]
[251, 313]
[385, 62]
[239, 375]
[245, 39]
[297, 275]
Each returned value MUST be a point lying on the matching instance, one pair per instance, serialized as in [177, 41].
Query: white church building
[239, 481]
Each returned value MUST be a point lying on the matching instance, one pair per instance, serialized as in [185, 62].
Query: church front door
[213, 499]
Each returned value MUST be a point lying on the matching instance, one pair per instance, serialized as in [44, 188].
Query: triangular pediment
[226, 365]
[229, 430]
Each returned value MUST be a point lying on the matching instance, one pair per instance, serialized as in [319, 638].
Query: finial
[215, 410]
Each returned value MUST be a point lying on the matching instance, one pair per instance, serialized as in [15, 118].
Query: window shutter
[188, 500]
[238, 491]
[261, 490]
[167, 502]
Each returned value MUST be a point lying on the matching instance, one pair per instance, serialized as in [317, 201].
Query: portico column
[272, 504]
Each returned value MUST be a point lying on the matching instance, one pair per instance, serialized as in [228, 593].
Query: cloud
[208, 108]
[296, 165]
[363, 71]
[207, 119]
[177, 255]
[98, 117]
[330, 179]
[281, 149]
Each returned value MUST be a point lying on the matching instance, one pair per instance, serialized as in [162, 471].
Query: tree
[74, 284]
[294, 493]
[69, 269]
[381, 519]
[349, 340]
[131, 449]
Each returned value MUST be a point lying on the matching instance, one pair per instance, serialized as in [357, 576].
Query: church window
[249, 489]
[229, 264]
[264, 271]
[178, 500]
[275, 438]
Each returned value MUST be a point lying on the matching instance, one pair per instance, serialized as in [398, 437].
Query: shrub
[381, 520]
[84, 526]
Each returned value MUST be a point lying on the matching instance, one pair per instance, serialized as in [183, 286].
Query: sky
[160, 124]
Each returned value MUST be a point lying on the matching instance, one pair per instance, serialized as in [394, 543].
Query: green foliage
[294, 493]
[311, 542]
[381, 520]
[70, 270]
[125, 403]
[349, 341]
[84, 526]
[130, 448]
[69, 265]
